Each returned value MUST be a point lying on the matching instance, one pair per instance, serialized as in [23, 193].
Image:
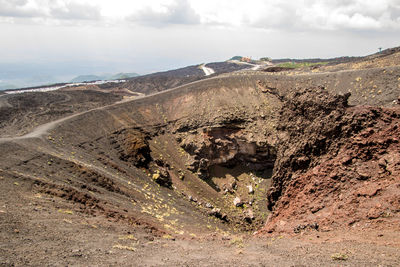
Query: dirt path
[45, 128]
[42, 129]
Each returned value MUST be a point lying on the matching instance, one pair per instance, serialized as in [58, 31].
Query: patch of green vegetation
[238, 242]
[265, 59]
[118, 246]
[339, 257]
[294, 65]
[126, 237]
[236, 58]
[66, 211]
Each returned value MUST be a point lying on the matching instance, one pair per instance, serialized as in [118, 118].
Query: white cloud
[178, 13]
[124, 8]
[19, 8]
[304, 15]
[161, 34]
[49, 9]
[75, 10]
[348, 15]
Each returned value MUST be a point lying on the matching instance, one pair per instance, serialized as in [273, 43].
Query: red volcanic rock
[336, 165]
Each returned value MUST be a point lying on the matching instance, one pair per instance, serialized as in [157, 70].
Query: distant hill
[89, 78]
[5, 86]
[123, 75]
[236, 58]
[160, 81]
[8, 81]
[86, 78]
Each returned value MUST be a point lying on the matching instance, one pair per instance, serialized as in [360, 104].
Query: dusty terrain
[246, 168]
[20, 113]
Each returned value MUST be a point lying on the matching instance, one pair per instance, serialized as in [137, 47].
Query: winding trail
[43, 129]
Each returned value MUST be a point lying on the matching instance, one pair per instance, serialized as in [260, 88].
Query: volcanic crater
[231, 162]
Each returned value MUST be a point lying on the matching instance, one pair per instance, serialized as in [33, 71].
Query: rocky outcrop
[336, 165]
[227, 146]
[161, 172]
[132, 146]
[162, 177]
[307, 128]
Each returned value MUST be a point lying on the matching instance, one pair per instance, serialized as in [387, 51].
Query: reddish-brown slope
[337, 166]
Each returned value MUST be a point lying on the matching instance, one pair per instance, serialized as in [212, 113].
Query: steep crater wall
[337, 166]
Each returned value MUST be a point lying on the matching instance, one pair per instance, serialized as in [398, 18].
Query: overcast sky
[94, 36]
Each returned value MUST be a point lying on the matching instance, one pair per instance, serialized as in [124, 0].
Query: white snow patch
[207, 71]
[54, 88]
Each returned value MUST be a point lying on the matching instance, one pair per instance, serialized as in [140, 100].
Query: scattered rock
[229, 187]
[192, 199]
[77, 253]
[209, 206]
[217, 213]
[237, 202]
[162, 163]
[149, 237]
[181, 174]
[225, 237]
[374, 213]
[301, 227]
[251, 190]
[249, 215]
[162, 177]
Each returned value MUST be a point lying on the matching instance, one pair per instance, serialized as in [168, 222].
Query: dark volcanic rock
[276, 69]
[227, 146]
[132, 146]
[162, 177]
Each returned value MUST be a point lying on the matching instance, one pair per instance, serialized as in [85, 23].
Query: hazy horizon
[67, 38]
